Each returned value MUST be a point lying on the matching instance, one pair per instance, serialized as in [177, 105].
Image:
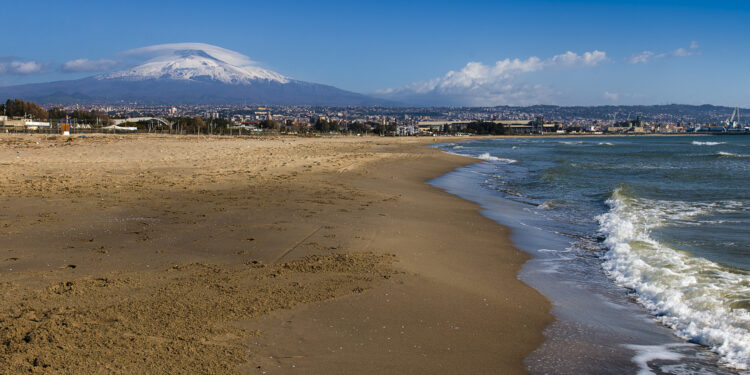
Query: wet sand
[167, 254]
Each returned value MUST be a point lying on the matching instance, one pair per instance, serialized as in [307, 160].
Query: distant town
[18, 115]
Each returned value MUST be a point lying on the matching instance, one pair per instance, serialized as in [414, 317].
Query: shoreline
[598, 327]
[449, 301]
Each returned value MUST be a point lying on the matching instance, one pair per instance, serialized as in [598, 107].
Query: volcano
[189, 73]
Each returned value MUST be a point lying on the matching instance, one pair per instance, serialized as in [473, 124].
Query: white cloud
[647, 56]
[480, 84]
[613, 96]
[641, 58]
[572, 59]
[169, 51]
[680, 52]
[86, 65]
[14, 66]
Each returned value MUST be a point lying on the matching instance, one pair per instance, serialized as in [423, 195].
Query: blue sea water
[642, 244]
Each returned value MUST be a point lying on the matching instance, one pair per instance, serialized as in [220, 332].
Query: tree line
[29, 109]
[22, 108]
[486, 128]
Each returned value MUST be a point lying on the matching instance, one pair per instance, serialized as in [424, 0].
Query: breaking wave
[699, 143]
[704, 302]
[488, 157]
[731, 155]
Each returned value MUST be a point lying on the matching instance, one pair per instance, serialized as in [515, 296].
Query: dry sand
[167, 254]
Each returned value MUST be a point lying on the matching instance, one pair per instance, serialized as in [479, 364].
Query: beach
[639, 243]
[190, 254]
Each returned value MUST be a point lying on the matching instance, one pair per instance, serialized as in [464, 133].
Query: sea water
[642, 244]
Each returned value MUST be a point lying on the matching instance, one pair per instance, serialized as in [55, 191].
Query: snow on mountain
[188, 73]
[194, 62]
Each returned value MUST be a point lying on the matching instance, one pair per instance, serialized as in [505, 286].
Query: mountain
[189, 73]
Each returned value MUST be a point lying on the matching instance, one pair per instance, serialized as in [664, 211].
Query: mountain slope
[190, 73]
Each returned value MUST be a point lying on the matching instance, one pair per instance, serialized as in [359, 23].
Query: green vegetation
[487, 128]
[324, 126]
[22, 108]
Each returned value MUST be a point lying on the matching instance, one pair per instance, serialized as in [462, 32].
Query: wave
[699, 143]
[606, 144]
[731, 155]
[488, 157]
[691, 295]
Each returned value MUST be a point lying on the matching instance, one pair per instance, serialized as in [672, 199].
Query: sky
[443, 52]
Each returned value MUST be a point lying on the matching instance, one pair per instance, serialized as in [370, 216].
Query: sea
[641, 243]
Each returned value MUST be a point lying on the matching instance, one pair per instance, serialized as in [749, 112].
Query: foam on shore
[697, 298]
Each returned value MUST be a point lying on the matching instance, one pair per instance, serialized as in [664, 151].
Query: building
[21, 124]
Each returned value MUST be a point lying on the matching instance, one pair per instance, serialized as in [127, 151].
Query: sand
[169, 254]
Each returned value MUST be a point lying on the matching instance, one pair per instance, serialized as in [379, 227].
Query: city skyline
[541, 52]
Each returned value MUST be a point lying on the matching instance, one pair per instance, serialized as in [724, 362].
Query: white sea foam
[699, 143]
[488, 157]
[731, 155]
[647, 353]
[606, 144]
[692, 295]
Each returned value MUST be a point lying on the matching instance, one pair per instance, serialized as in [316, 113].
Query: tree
[326, 126]
[381, 129]
[57, 113]
[21, 108]
[486, 128]
[198, 124]
[322, 125]
[269, 125]
[359, 128]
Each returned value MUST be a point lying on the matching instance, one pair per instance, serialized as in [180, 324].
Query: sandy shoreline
[185, 254]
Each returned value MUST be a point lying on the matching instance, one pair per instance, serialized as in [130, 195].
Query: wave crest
[488, 157]
[692, 295]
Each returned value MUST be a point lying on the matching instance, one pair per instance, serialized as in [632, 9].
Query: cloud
[155, 53]
[681, 52]
[15, 66]
[641, 58]
[480, 84]
[169, 51]
[86, 65]
[647, 56]
[571, 59]
[613, 96]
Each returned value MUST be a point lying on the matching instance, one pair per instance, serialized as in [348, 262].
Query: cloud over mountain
[480, 84]
[16, 66]
[88, 66]
[191, 61]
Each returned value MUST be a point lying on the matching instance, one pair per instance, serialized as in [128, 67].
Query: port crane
[733, 122]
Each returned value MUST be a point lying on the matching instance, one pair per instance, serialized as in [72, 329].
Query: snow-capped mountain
[195, 61]
[188, 73]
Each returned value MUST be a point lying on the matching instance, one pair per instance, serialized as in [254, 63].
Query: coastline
[428, 284]
[598, 327]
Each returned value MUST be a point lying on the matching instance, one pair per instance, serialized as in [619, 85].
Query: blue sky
[654, 52]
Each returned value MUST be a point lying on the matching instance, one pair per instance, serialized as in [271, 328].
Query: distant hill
[667, 112]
